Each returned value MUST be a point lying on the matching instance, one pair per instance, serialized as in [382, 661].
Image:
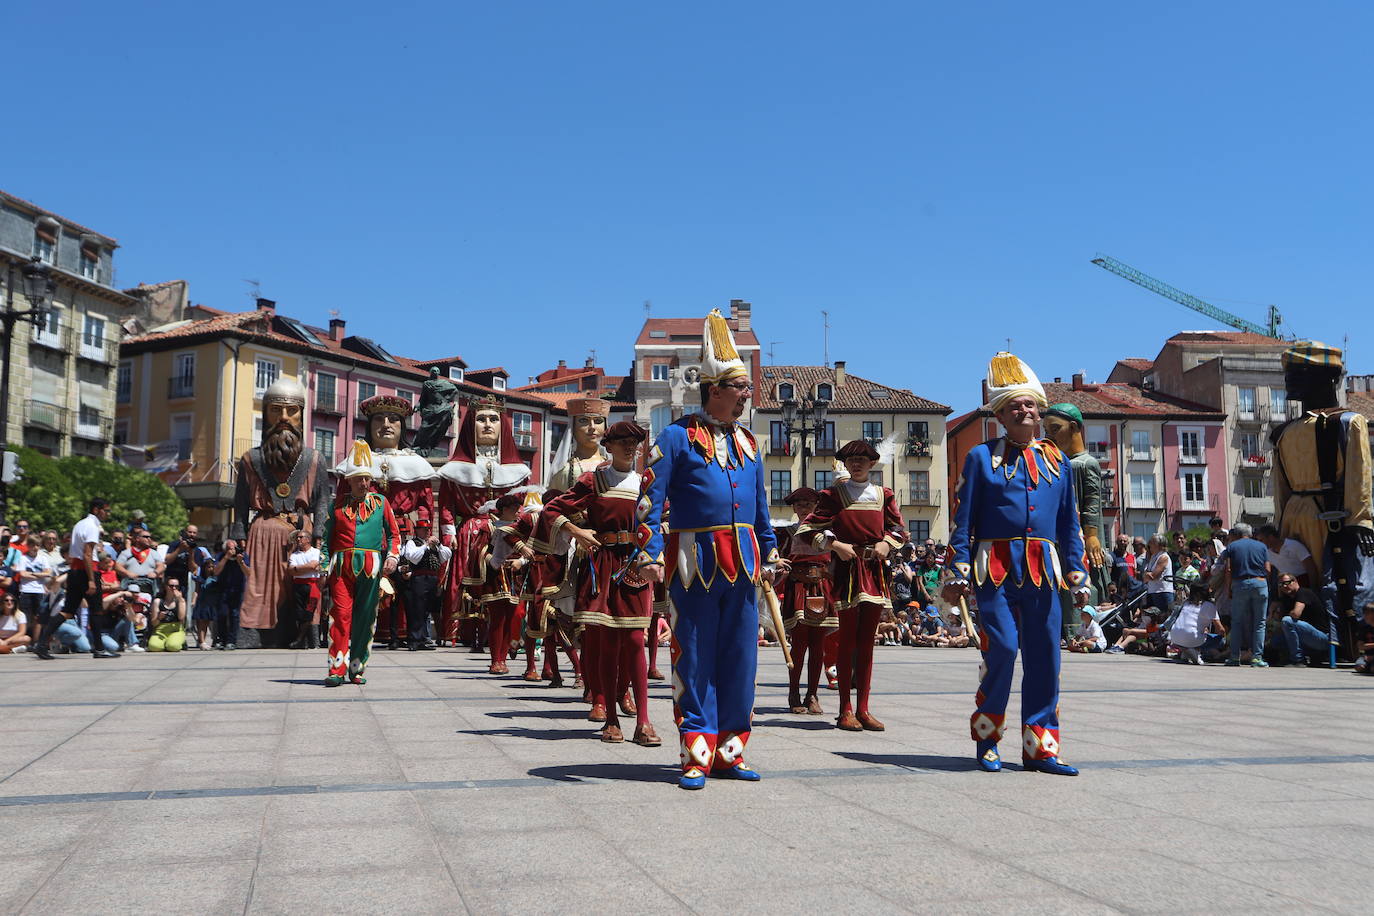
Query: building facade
[857, 408]
[62, 375]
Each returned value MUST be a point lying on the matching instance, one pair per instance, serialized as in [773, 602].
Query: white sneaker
[136, 648]
[19, 649]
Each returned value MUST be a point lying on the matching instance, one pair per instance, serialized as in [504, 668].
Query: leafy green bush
[55, 493]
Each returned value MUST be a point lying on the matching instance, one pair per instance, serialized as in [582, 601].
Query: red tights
[858, 627]
[807, 646]
[502, 626]
[597, 643]
[623, 659]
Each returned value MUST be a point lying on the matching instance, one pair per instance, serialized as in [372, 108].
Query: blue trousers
[1026, 618]
[715, 657]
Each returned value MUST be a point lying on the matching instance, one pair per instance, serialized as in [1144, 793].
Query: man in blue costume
[720, 545]
[1016, 518]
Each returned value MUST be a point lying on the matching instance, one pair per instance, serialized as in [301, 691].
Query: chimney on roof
[1078, 381]
[839, 373]
[985, 391]
[267, 305]
[740, 311]
[1058, 380]
[562, 364]
[336, 328]
[590, 363]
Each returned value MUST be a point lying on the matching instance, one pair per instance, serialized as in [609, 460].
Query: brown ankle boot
[847, 722]
[870, 723]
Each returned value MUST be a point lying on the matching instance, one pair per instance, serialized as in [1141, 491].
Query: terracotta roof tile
[1228, 338]
[1144, 365]
[688, 327]
[854, 394]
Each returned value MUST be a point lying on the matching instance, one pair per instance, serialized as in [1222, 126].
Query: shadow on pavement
[547, 714]
[811, 724]
[629, 772]
[534, 734]
[316, 681]
[914, 761]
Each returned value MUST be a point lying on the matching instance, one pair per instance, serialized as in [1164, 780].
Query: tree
[45, 497]
[127, 489]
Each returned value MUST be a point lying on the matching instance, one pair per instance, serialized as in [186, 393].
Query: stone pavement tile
[218, 744]
[219, 887]
[1159, 884]
[178, 762]
[22, 877]
[520, 859]
[342, 810]
[333, 769]
[39, 779]
[1176, 836]
[795, 891]
[1336, 881]
[176, 830]
[360, 890]
[1215, 808]
[620, 892]
[330, 846]
[461, 811]
[45, 830]
[448, 769]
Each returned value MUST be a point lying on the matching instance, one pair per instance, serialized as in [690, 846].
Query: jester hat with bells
[720, 361]
[1009, 378]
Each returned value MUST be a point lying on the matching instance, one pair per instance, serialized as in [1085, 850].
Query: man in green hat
[1064, 424]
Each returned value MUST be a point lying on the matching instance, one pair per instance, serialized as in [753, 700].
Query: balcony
[1144, 501]
[329, 404]
[1191, 457]
[59, 340]
[1110, 500]
[40, 415]
[99, 350]
[524, 441]
[179, 386]
[917, 447]
[1255, 416]
[93, 426]
[1142, 454]
[1210, 504]
[920, 498]
[781, 447]
[1257, 462]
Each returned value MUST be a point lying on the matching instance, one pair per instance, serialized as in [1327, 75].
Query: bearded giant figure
[283, 487]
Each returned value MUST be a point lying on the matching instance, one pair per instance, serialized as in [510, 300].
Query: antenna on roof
[771, 345]
[254, 290]
[333, 313]
[825, 331]
[648, 308]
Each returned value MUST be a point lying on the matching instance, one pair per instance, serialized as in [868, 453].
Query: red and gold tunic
[860, 514]
[805, 591]
[610, 501]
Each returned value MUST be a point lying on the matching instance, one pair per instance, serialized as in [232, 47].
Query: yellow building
[855, 408]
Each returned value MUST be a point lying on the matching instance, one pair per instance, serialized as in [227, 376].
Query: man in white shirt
[1289, 555]
[34, 573]
[426, 558]
[83, 583]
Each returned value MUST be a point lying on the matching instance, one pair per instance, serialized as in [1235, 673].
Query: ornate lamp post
[38, 286]
[805, 417]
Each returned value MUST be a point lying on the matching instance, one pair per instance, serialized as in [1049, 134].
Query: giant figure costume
[1064, 424]
[283, 487]
[720, 539]
[1017, 538]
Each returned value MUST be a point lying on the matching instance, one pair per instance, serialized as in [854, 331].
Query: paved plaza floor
[232, 782]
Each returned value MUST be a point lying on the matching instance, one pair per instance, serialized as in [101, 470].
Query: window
[824, 479]
[45, 242]
[366, 390]
[875, 477]
[873, 430]
[919, 529]
[1190, 446]
[556, 433]
[267, 371]
[88, 422]
[1140, 444]
[523, 425]
[455, 374]
[1194, 488]
[786, 391]
[825, 392]
[1099, 441]
[1278, 402]
[121, 432]
[90, 262]
[181, 434]
[47, 333]
[779, 485]
[658, 372]
[498, 383]
[124, 382]
[93, 332]
[326, 391]
[778, 441]
[183, 376]
[1245, 403]
[825, 441]
[918, 429]
[324, 444]
[1249, 445]
[1254, 486]
[1143, 487]
[919, 484]
[660, 418]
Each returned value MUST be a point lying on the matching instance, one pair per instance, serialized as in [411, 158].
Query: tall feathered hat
[359, 463]
[720, 361]
[1008, 378]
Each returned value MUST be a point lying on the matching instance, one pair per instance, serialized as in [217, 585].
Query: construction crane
[1193, 302]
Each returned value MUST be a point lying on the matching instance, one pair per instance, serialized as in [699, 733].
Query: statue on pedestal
[437, 396]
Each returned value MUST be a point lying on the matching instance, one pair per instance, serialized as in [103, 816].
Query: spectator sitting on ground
[1306, 624]
[169, 612]
[1195, 620]
[929, 628]
[887, 634]
[1143, 627]
[957, 636]
[1364, 641]
[128, 609]
[1090, 637]
[13, 626]
[1288, 555]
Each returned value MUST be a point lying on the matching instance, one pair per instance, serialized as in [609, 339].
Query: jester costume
[360, 535]
[1017, 540]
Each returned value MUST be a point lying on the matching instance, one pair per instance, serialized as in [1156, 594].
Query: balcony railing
[1255, 416]
[780, 447]
[1259, 461]
[1211, 503]
[179, 386]
[41, 415]
[1110, 500]
[1150, 501]
[524, 440]
[60, 340]
[102, 350]
[329, 404]
[1141, 454]
[94, 427]
[920, 498]
[1191, 457]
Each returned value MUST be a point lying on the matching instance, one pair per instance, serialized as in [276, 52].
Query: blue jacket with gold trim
[1017, 516]
[720, 523]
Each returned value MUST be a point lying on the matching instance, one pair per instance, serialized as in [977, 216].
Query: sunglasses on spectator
[1287, 581]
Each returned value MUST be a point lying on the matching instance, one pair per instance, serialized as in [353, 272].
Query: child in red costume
[808, 607]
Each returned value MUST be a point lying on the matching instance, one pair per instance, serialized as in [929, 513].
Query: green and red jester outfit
[359, 537]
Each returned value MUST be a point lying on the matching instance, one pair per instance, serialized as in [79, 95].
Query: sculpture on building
[1321, 478]
[437, 396]
[283, 487]
[1064, 424]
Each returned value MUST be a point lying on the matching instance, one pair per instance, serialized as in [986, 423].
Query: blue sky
[516, 179]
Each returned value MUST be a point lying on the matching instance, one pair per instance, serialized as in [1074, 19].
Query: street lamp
[38, 286]
[805, 417]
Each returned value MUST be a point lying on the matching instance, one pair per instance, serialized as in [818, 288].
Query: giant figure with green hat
[1063, 423]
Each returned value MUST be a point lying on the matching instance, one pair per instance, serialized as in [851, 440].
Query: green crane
[1193, 302]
